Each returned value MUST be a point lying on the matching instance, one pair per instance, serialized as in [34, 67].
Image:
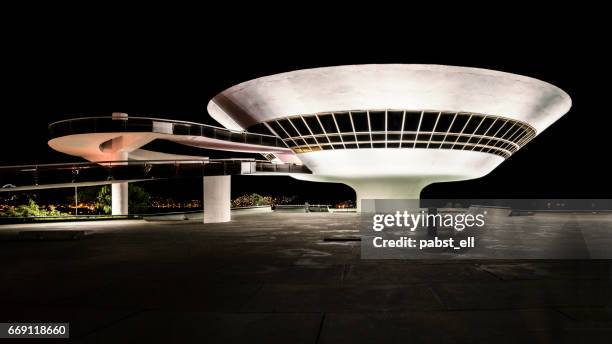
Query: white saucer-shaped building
[390, 130]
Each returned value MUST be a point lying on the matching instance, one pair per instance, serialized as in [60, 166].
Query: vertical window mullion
[353, 126]
[461, 133]
[285, 130]
[311, 133]
[300, 134]
[324, 132]
[338, 129]
[369, 128]
[472, 135]
[416, 138]
[386, 127]
[486, 132]
[402, 129]
[433, 131]
[448, 130]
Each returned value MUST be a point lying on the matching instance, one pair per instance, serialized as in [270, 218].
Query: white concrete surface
[119, 199]
[89, 146]
[392, 173]
[390, 86]
[217, 199]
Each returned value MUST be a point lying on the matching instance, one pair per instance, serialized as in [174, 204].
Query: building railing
[106, 124]
[107, 171]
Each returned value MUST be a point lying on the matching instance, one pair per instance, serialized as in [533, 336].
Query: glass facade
[401, 129]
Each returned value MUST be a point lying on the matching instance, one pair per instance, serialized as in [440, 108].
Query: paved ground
[271, 278]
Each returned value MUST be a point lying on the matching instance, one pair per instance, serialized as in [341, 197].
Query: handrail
[154, 119]
[66, 174]
[130, 162]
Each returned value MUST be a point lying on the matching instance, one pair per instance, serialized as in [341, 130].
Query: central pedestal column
[217, 199]
[408, 189]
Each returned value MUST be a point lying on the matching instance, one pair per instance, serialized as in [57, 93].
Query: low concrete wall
[199, 215]
[318, 208]
[342, 210]
[252, 210]
[174, 216]
[290, 208]
[302, 208]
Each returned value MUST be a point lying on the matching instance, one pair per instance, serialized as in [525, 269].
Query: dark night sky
[56, 75]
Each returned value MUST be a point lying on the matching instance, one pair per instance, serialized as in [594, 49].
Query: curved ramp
[103, 138]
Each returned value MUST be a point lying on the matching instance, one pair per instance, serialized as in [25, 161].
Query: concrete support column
[119, 198]
[217, 199]
[384, 189]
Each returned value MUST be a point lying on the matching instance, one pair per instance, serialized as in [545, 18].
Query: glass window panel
[438, 137]
[497, 126]
[259, 128]
[377, 120]
[288, 127]
[451, 137]
[255, 139]
[322, 139]
[421, 145]
[520, 136]
[344, 122]
[300, 142]
[360, 120]
[378, 137]
[429, 120]
[507, 130]
[348, 138]
[444, 122]
[506, 147]
[478, 148]
[412, 121]
[434, 146]
[334, 138]
[378, 145]
[363, 137]
[494, 143]
[310, 140]
[394, 120]
[486, 123]
[365, 145]
[408, 137]
[314, 125]
[393, 137]
[424, 137]
[474, 140]
[338, 147]
[392, 144]
[472, 124]
[276, 127]
[300, 126]
[181, 129]
[514, 132]
[493, 150]
[328, 123]
[350, 146]
[459, 123]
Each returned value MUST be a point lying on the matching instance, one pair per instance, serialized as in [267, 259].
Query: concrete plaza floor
[273, 278]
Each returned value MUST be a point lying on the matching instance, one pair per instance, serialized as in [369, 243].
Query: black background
[74, 68]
